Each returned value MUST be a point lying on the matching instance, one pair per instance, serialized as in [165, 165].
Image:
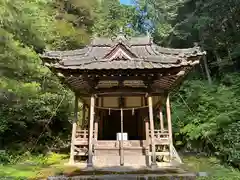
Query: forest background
[36, 110]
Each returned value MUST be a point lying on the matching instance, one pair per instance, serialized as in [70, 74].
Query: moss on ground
[36, 167]
[40, 167]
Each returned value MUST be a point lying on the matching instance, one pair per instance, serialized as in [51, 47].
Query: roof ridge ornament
[121, 30]
[121, 36]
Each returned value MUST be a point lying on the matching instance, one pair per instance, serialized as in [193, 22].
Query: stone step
[160, 153]
[130, 151]
[131, 143]
[111, 161]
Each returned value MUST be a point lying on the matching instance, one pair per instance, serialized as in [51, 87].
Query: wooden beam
[119, 89]
[92, 82]
[90, 136]
[125, 89]
[165, 80]
[89, 84]
[124, 94]
[150, 105]
[100, 72]
[125, 78]
[148, 83]
[74, 128]
[78, 82]
[168, 109]
[179, 79]
[156, 86]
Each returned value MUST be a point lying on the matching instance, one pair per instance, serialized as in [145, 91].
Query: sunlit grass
[212, 167]
[35, 167]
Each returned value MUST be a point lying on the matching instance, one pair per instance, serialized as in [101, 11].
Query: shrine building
[123, 84]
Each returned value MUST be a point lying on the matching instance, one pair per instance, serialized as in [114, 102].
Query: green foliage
[159, 17]
[207, 117]
[213, 24]
[74, 22]
[34, 108]
[4, 158]
[30, 96]
[112, 16]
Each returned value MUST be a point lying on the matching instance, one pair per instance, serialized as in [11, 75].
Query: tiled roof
[148, 55]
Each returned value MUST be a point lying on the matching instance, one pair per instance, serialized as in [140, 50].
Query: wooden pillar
[74, 128]
[90, 135]
[161, 118]
[150, 106]
[168, 109]
[121, 143]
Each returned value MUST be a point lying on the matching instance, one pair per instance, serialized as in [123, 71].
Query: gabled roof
[153, 68]
[122, 53]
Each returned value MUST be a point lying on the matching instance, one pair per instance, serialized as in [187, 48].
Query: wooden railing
[82, 134]
[160, 134]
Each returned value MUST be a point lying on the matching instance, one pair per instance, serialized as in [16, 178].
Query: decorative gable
[120, 51]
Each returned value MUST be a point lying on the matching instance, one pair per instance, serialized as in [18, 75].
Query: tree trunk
[205, 59]
[219, 60]
[207, 70]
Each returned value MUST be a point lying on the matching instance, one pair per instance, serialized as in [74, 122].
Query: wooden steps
[114, 161]
[112, 148]
[108, 152]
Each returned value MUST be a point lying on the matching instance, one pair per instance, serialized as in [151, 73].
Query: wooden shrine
[124, 85]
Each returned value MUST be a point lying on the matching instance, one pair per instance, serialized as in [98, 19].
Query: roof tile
[148, 55]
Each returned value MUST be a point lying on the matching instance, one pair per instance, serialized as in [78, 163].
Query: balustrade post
[90, 136]
[74, 128]
[168, 109]
[153, 148]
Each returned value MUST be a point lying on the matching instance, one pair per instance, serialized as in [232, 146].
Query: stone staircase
[107, 153]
